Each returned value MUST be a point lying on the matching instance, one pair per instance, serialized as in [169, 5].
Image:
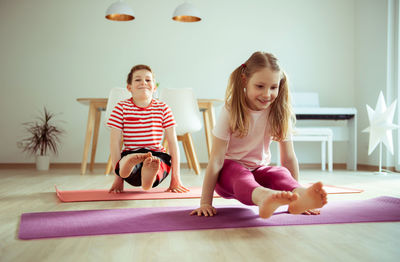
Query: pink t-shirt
[251, 151]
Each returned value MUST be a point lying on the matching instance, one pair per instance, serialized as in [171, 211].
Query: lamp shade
[119, 11]
[186, 12]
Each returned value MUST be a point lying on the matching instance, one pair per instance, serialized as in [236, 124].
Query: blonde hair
[280, 118]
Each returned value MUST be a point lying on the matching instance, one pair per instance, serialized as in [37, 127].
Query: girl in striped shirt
[141, 121]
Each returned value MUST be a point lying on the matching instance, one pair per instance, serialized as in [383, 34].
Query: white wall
[395, 8]
[54, 51]
[371, 55]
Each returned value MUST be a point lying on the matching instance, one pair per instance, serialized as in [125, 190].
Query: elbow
[216, 164]
[288, 161]
[220, 162]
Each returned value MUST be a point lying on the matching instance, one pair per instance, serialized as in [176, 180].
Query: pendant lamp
[186, 12]
[119, 11]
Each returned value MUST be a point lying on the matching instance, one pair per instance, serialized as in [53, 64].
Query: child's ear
[129, 87]
[244, 80]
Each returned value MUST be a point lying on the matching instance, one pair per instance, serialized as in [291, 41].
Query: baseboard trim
[375, 168]
[202, 165]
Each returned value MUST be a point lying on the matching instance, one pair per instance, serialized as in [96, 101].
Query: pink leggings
[236, 181]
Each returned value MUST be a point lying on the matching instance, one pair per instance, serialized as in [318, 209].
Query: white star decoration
[380, 124]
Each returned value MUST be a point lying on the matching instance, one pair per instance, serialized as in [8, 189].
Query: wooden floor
[27, 190]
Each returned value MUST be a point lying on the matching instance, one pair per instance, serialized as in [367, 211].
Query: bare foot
[149, 171]
[269, 200]
[309, 198]
[128, 162]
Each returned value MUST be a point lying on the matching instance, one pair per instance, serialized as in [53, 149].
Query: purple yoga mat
[157, 219]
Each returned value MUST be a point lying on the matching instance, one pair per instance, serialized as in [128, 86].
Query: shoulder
[126, 106]
[222, 128]
[160, 105]
[126, 103]
[224, 116]
[225, 112]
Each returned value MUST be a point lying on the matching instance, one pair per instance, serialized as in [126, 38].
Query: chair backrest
[184, 107]
[116, 94]
[305, 99]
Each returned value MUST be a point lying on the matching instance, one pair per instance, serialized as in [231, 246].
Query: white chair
[186, 112]
[323, 135]
[116, 94]
[313, 134]
[317, 134]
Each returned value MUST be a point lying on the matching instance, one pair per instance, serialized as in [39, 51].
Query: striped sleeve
[116, 117]
[168, 118]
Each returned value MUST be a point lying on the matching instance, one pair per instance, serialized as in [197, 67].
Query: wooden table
[96, 105]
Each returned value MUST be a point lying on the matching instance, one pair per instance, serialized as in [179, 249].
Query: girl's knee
[281, 170]
[223, 192]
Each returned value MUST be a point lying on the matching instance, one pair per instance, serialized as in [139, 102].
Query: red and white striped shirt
[142, 127]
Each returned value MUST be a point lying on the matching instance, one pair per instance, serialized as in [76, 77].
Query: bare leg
[128, 162]
[269, 200]
[309, 198]
[149, 171]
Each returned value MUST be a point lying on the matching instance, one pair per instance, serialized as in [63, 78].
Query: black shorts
[135, 178]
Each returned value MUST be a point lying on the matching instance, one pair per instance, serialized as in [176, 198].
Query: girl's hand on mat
[118, 186]
[177, 189]
[204, 210]
[312, 212]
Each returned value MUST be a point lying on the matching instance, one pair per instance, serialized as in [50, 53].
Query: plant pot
[42, 163]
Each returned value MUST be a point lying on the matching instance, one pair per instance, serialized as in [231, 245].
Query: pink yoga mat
[158, 219]
[128, 194]
[154, 193]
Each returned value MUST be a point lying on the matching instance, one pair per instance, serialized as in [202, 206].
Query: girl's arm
[176, 184]
[288, 158]
[210, 180]
[115, 151]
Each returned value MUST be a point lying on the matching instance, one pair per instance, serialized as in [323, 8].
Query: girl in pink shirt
[257, 110]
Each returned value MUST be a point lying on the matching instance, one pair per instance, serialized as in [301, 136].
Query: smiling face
[142, 87]
[262, 88]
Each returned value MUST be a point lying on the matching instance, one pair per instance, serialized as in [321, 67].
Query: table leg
[95, 137]
[192, 153]
[211, 114]
[187, 155]
[207, 133]
[352, 144]
[209, 123]
[89, 130]
[109, 166]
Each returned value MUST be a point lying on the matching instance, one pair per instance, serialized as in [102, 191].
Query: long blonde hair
[280, 118]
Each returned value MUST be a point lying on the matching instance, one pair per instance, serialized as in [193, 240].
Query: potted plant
[44, 137]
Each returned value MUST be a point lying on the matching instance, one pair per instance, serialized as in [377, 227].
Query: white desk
[335, 113]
